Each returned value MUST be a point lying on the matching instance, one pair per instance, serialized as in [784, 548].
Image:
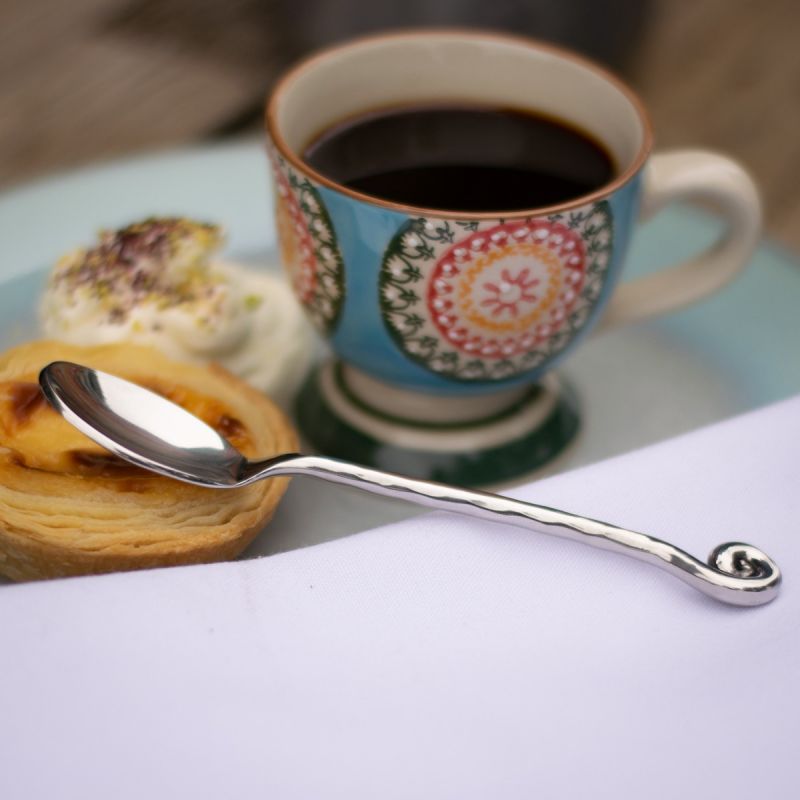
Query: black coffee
[461, 158]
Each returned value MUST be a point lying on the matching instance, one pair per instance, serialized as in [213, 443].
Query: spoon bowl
[152, 432]
[141, 426]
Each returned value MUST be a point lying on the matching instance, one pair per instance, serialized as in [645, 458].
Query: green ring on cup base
[328, 432]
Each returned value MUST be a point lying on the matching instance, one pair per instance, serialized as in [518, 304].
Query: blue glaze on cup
[362, 338]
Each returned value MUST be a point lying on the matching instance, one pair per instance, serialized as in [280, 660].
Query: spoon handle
[736, 573]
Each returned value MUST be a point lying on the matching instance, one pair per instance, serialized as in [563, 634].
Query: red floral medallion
[503, 290]
[309, 248]
[498, 298]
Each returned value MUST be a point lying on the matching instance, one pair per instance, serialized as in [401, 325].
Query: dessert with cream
[158, 282]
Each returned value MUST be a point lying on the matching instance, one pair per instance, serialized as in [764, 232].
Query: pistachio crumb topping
[161, 260]
[253, 301]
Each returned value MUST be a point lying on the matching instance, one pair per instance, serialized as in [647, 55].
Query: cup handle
[705, 176]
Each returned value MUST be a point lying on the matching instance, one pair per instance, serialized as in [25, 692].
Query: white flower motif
[398, 268]
[597, 219]
[390, 293]
[329, 282]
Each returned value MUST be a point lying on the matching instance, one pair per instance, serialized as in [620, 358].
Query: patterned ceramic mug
[443, 319]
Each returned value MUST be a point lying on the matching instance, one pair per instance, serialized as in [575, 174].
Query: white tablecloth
[433, 658]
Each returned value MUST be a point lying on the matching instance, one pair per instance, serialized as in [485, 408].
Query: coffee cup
[447, 318]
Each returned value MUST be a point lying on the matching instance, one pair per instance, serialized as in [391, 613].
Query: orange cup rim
[313, 60]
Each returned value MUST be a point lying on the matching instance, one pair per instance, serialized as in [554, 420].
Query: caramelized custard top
[34, 436]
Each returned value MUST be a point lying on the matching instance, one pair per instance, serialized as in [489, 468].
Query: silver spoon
[154, 433]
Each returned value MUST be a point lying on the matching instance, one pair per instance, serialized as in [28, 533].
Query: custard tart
[69, 507]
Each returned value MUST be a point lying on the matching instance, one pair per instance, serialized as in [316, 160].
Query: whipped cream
[157, 283]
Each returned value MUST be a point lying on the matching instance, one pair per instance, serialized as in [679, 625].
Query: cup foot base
[518, 440]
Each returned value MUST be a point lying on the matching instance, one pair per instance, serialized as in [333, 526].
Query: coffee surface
[461, 158]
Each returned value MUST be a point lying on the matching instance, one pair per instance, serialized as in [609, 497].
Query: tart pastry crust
[68, 507]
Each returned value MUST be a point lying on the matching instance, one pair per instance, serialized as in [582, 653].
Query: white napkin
[434, 658]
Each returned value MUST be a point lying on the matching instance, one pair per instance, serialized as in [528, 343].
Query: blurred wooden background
[92, 79]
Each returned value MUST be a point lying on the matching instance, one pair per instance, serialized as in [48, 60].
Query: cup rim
[310, 61]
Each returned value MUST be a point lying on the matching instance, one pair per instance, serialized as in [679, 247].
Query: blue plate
[734, 352]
